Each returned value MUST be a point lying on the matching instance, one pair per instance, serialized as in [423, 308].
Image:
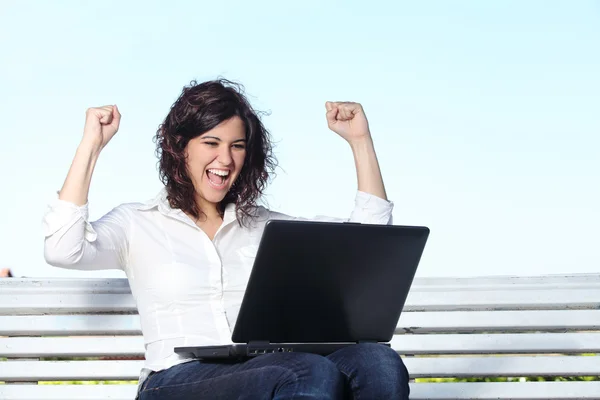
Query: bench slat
[533, 343]
[25, 371]
[73, 325]
[419, 391]
[112, 285]
[32, 304]
[505, 391]
[68, 392]
[467, 367]
[36, 286]
[109, 346]
[503, 300]
[414, 322]
[507, 280]
[565, 343]
[499, 321]
[20, 303]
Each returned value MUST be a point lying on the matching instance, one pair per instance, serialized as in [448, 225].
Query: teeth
[217, 172]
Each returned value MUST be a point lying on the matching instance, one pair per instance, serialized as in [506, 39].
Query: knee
[382, 360]
[376, 371]
[310, 376]
[314, 365]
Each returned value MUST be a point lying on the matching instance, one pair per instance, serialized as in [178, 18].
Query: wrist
[89, 148]
[361, 143]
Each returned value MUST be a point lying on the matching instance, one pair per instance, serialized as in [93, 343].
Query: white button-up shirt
[188, 289]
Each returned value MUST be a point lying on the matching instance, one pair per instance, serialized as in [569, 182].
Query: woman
[188, 252]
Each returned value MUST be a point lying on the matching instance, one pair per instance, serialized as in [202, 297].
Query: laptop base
[244, 351]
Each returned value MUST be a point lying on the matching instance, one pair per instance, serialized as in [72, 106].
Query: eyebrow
[219, 139]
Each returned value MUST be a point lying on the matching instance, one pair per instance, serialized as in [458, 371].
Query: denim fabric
[362, 371]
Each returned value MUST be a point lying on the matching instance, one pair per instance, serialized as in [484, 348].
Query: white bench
[465, 327]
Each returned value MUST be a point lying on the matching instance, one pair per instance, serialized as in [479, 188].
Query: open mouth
[218, 177]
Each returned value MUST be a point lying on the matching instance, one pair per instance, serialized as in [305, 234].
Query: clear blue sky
[485, 115]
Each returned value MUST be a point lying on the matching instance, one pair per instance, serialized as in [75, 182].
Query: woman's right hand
[101, 124]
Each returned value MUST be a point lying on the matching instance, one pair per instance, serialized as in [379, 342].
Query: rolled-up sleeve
[71, 241]
[368, 209]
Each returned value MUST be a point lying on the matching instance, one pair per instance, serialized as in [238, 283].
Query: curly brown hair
[200, 108]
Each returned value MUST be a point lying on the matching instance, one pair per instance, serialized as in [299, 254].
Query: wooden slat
[29, 296]
[39, 347]
[120, 285]
[530, 343]
[26, 371]
[507, 280]
[505, 391]
[67, 392]
[503, 300]
[468, 367]
[499, 321]
[72, 325]
[30, 304]
[36, 286]
[419, 391]
[538, 343]
[19, 303]
[411, 322]
[472, 287]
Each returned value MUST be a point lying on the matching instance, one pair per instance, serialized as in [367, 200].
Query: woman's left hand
[348, 120]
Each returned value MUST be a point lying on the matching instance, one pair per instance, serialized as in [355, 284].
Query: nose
[225, 156]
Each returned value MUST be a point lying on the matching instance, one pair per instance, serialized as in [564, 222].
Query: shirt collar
[159, 201]
[162, 204]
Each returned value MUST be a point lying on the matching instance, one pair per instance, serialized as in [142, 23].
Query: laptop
[317, 287]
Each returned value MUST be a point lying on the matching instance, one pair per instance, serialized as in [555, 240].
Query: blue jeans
[362, 371]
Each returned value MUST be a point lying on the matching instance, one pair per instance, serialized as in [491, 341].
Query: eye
[239, 146]
[211, 144]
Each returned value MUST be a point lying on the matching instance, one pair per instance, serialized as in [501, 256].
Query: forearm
[77, 184]
[367, 167]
